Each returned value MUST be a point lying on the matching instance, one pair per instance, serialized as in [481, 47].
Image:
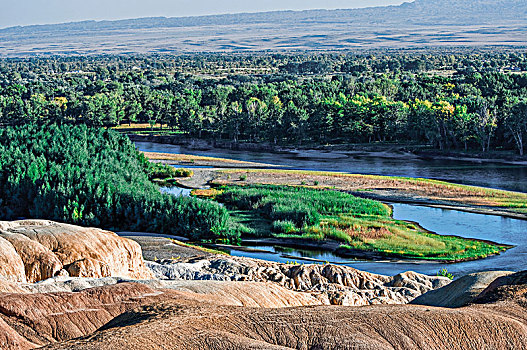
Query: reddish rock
[44, 318]
[205, 315]
[407, 327]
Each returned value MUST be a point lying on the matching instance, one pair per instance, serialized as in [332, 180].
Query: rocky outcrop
[9, 287]
[11, 264]
[35, 250]
[247, 294]
[218, 315]
[331, 284]
[45, 318]
[250, 294]
[462, 292]
[509, 287]
[10, 339]
[217, 302]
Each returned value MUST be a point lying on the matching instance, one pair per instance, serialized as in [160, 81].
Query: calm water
[488, 227]
[501, 176]
[176, 191]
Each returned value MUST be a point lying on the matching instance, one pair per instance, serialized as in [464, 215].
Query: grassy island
[357, 223]
[395, 187]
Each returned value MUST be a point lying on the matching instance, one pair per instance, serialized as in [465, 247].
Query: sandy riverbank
[390, 189]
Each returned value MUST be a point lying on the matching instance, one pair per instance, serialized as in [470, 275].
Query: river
[442, 221]
[493, 175]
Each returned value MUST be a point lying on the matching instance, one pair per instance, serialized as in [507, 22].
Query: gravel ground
[160, 247]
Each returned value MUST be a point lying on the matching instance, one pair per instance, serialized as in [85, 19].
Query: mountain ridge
[420, 23]
[510, 12]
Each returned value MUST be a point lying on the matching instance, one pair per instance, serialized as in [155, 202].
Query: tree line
[445, 100]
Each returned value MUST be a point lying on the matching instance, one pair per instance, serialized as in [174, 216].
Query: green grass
[163, 171]
[307, 213]
[470, 195]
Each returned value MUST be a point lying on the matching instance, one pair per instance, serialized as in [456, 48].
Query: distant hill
[410, 25]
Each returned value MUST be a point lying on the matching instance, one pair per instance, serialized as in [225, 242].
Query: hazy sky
[24, 12]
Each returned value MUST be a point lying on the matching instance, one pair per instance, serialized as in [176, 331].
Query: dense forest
[95, 177]
[447, 100]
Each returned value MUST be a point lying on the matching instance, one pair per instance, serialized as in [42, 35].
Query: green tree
[516, 122]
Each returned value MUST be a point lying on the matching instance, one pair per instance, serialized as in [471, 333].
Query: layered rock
[508, 287]
[45, 318]
[216, 302]
[10, 287]
[10, 339]
[35, 250]
[249, 294]
[332, 284]
[11, 264]
[31, 319]
[217, 315]
[378, 327]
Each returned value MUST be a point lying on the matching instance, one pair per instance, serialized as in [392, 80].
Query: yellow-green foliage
[163, 171]
[206, 193]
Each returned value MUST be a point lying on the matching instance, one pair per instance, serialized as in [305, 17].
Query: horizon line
[197, 16]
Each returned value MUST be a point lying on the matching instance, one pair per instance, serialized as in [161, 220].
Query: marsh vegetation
[358, 224]
[395, 186]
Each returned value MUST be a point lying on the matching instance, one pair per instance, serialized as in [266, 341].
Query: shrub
[445, 273]
[286, 227]
[183, 173]
[163, 171]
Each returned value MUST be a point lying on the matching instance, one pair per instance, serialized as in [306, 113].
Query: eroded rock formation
[462, 291]
[218, 315]
[331, 284]
[35, 250]
[217, 302]
[379, 327]
[31, 319]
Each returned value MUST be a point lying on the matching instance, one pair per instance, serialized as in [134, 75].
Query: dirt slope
[168, 325]
[43, 318]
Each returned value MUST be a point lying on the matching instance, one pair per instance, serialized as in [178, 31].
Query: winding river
[442, 221]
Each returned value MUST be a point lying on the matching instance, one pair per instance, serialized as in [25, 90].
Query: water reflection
[452, 222]
[176, 191]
